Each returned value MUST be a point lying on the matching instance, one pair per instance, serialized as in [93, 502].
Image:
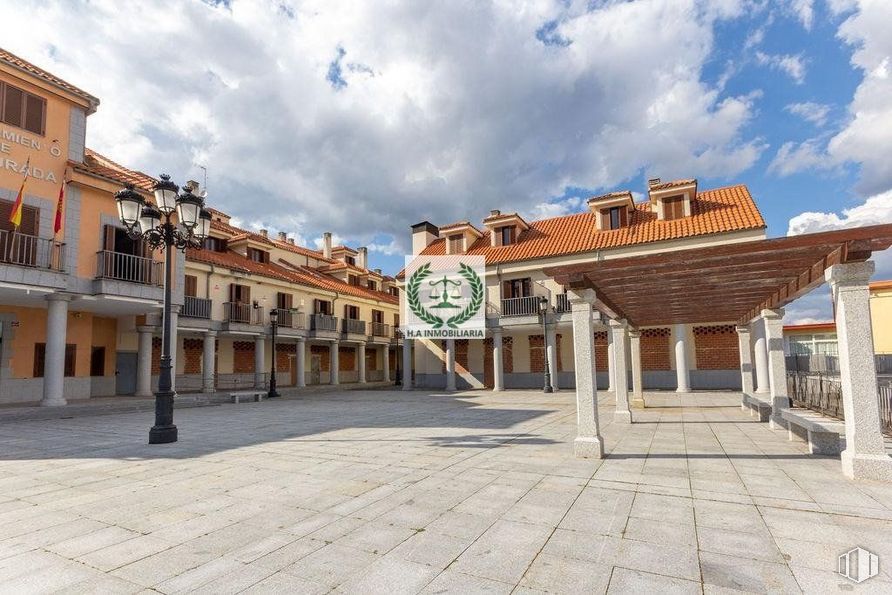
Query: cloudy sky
[362, 118]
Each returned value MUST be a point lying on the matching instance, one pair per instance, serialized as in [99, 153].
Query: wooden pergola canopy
[730, 282]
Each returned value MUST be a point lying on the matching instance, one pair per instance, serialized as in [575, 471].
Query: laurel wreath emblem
[414, 287]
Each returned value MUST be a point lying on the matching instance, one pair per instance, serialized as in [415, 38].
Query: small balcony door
[517, 288]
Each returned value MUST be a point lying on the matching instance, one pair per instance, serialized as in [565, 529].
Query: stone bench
[821, 432]
[756, 405]
[252, 395]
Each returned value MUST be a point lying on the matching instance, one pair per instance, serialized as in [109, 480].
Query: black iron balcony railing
[196, 307]
[379, 329]
[30, 251]
[521, 306]
[127, 267]
[324, 322]
[291, 319]
[354, 327]
[562, 303]
[241, 313]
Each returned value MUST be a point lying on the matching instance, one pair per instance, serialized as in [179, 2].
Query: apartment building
[675, 215]
[71, 294]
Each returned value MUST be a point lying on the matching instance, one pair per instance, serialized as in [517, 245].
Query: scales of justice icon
[444, 295]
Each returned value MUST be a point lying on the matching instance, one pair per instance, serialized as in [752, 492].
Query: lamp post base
[163, 434]
[547, 389]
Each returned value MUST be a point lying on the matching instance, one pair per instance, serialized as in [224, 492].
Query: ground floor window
[97, 361]
[40, 359]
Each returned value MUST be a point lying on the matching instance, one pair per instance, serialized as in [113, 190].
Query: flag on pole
[16, 216]
[57, 226]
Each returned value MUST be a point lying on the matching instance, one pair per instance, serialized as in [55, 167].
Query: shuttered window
[351, 312]
[507, 235]
[322, 307]
[30, 218]
[190, 287]
[22, 109]
[673, 208]
[240, 294]
[517, 288]
[378, 316]
[284, 301]
[40, 359]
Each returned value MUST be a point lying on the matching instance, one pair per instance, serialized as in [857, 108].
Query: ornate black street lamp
[154, 224]
[274, 323]
[543, 311]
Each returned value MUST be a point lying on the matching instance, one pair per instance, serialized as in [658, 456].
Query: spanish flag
[57, 225]
[16, 216]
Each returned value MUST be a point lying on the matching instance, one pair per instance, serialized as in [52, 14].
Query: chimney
[192, 186]
[326, 244]
[378, 271]
[422, 235]
[283, 236]
[495, 213]
[264, 233]
[363, 260]
[653, 182]
[291, 241]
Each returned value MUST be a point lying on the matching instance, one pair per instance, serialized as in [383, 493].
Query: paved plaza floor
[393, 492]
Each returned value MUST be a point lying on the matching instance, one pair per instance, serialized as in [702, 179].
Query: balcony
[562, 303]
[353, 327]
[117, 266]
[324, 323]
[241, 313]
[379, 329]
[195, 307]
[521, 306]
[291, 319]
[30, 251]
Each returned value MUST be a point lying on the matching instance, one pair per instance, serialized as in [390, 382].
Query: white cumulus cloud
[793, 65]
[816, 113]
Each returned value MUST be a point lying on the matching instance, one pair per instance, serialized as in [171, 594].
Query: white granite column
[498, 370]
[54, 356]
[450, 364]
[334, 364]
[621, 378]
[777, 365]
[144, 362]
[864, 456]
[637, 388]
[588, 442]
[746, 361]
[682, 370]
[760, 355]
[360, 361]
[301, 363]
[207, 365]
[259, 360]
[551, 355]
[385, 357]
[406, 372]
[611, 362]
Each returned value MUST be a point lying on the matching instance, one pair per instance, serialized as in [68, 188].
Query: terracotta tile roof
[459, 224]
[96, 164]
[672, 184]
[609, 195]
[317, 254]
[713, 211]
[811, 326]
[24, 65]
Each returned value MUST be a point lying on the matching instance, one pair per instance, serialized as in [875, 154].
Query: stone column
[621, 378]
[334, 364]
[760, 353]
[777, 365]
[144, 362]
[450, 364]
[551, 355]
[637, 387]
[746, 361]
[54, 356]
[864, 456]
[360, 361]
[588, 442]
[498, 369]
[301, 362]
[259, 360]
[207, 365]
[682, 372]
[406, 372]
[385, 357]
[611, 362]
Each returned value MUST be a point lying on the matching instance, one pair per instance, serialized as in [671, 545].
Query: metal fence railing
[31, 251]
[520, 306]
[884, 394]
[380, 329]
[241, 313]
[127, 267]
[195, 307]
[816, 391]
[354, 327]
[291, 319]
[323, 322]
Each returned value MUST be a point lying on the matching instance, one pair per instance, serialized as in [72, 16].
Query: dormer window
[258, 255]
[612, 211]
[672, 200]
[350, 260]
[507, 235]
[456, 244]
[504, 229]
